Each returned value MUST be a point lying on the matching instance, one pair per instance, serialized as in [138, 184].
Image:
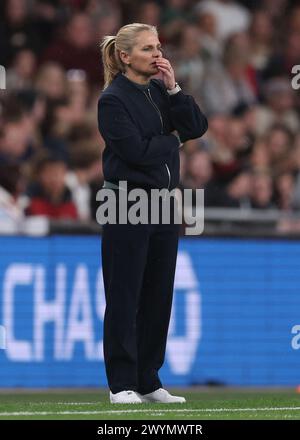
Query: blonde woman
[143, 122]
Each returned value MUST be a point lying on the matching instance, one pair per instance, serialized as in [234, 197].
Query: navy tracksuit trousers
[138, 269]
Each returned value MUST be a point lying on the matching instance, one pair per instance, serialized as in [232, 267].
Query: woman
[137, 118]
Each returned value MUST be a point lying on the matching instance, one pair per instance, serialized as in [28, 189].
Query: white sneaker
[160, 396]
[124, 397]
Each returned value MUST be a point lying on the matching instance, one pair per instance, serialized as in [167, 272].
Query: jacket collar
[122, 80]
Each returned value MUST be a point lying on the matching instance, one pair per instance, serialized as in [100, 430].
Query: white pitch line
[69, 403]
[45, 413]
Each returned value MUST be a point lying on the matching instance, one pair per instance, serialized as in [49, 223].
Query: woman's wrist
[174, 90]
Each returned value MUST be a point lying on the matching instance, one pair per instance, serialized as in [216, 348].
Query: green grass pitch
[202, 404]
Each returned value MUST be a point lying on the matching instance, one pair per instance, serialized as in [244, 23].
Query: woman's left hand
[167, 72]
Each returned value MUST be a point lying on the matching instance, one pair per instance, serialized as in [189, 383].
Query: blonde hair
[111, 46]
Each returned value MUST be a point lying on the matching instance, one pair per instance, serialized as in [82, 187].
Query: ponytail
[109, 58]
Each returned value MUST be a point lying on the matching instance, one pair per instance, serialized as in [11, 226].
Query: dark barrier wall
[235, 315]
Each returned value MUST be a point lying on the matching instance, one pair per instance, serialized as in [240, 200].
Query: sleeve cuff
[175, 90]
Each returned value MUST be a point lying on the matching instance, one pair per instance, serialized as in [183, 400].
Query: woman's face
[143, 55]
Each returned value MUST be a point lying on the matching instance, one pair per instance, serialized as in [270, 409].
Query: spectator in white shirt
[231, 17]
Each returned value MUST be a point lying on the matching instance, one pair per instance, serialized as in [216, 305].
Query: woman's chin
[157, 75]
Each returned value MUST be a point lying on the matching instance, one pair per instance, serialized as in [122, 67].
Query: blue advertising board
[235, 317]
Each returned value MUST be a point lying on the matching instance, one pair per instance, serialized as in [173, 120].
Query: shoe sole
[157, 401]
[125, 403]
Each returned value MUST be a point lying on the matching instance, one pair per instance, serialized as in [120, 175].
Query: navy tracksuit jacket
[139, 260]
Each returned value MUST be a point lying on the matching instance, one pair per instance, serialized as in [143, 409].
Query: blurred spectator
[199, 175]
[149, 12]
[295, 156]
[226, 86]
[294, 19]
[12, 186]
[107, 25]
[175, 15]
[51, 81]
[48, 194]
[76, 50]
[176, 10]
[246, 114]
[225, 156]
[238, 191]
[85, 168]
[216, 131]
[279, 143]
[106, 16]
[34, 103]
[22, 70]
[51, 13]
[262, 191]
[210, 43]
[284, 189]
[189, 64]
[282, 61]
[262, 38]
[199, 170]
[231, 17]
[278, 107]
[240, 44]
[72, 110]
[276, 8]
[16, 134]
[17, 31]
[260, 157]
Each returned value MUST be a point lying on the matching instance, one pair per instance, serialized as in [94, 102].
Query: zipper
[149, 97]
[169, 175]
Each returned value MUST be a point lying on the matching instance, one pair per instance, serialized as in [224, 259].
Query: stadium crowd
[235, 58]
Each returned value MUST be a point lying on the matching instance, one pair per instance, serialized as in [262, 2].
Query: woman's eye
[148, 48]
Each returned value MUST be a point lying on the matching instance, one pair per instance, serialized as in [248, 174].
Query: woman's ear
[125, 57]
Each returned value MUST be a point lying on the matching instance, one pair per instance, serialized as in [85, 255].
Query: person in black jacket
[143, 122]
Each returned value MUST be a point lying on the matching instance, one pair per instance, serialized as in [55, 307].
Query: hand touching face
[146, 60]
[167, 72]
